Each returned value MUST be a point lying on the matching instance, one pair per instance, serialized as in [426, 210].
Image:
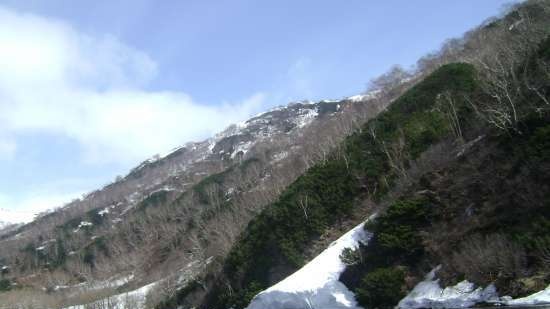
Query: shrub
[351, 256]
[5, 285]
[89, 257]
[539, 144]
[241, 299]
[397, 232]
[490, 258]
[154, 199]
[381, 288]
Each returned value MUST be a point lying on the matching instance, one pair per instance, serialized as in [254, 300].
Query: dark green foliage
[539, 145]
[454, 77]
[60, 256]
[382, 288]
[70, 225]
[5, 285]
[94, 217]
[410, 126]
[241, 299]
[219, 179]
[533, 236]
[88, 257]
[215, 180]
[396, 232]
[351, 256]
[154, 199]
[396, 241]
[29, 248]
[90, 252]
[313, 202]
[544, 50]
[248, 163]
[100, 245]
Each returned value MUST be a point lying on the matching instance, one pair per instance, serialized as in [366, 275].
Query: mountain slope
[456, 113]
[456, 167]
[275, 241]
[171, 214]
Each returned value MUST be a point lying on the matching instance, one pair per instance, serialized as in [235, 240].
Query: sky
[91, 88]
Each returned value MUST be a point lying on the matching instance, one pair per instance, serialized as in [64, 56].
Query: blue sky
[88, 89]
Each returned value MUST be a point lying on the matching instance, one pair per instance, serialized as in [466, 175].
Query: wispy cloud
[91, 89]
[31, 205]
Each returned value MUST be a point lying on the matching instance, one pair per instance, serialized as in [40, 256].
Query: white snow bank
[305, 117]
[316, 284]
[134, 299]
[428, 294]
[82, 225]
[364, 97]
[539, 298]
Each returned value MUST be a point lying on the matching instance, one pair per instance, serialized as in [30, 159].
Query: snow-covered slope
[316, 284]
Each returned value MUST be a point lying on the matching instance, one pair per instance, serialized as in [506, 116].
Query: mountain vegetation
[453, 157]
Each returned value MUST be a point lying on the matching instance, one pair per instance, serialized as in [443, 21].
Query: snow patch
[242, 147]
[280, 156]
[316, 284]
[364, 97]
[539, 298]
[305, 117]
[428, 294]
[515, 24]
[134, 299]
[82, 225]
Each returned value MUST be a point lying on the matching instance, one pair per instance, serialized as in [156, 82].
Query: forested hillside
[450, 160]
[456, 168]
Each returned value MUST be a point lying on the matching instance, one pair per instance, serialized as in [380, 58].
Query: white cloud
[23, 211]
[56, 80]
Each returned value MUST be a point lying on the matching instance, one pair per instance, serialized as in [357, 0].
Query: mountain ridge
[452, 162]
[269, 149]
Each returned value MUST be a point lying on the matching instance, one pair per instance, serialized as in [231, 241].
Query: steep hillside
[172, 214]
[453, 159]
[366, 166]
[456, 168]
